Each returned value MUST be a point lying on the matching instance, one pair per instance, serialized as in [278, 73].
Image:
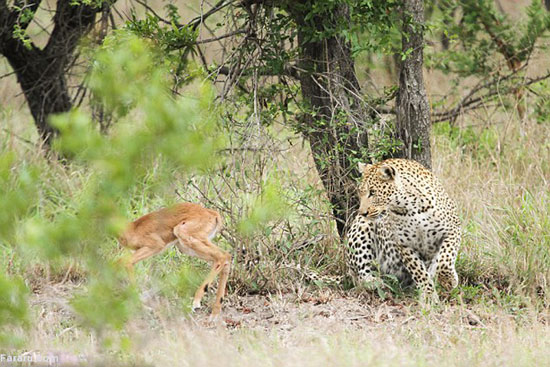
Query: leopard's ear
[386, 172]
[362, 167]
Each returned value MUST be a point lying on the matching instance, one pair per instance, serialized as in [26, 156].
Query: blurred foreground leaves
[152, 126]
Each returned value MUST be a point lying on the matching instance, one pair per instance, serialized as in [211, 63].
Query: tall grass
[501, 183]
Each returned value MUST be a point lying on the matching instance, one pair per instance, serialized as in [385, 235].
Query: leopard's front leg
[445, 261]
[416, 267]
[362, 249]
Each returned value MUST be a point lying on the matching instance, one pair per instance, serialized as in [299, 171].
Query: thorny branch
[475, 99]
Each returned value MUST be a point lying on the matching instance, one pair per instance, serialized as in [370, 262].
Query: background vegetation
[173, 106]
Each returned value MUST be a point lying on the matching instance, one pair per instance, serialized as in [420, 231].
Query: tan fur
[190, 227]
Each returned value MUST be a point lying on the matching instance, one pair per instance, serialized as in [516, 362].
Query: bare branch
[7, 74]
[148, 8]
[195, 22]
[19, 137]
[290, 70]
[470, 102]
[214, 39]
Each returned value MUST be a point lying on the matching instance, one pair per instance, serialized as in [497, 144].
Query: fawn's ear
[386, 172]
[362, 167]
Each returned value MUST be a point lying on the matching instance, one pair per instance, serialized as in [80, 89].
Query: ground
[317, 326]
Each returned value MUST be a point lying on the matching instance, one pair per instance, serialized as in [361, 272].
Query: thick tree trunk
[46, 91]
[335, 127]
[413, 111]
[41, 72]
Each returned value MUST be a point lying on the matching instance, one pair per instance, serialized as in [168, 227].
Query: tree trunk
[334, 126]
[41, 72]
[46, 92]
[413, 111]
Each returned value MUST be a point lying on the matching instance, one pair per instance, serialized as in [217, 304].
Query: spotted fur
[406, 225]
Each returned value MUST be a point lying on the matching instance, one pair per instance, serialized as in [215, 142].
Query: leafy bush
[153, 126]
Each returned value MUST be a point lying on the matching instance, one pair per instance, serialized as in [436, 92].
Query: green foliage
[268, 206]
[467, 293]
[482, 37]
[382, 143]
[126, 75]
[124, 60]
[91, 3]
[272, 31]
[377, 19]
[24, 17]
[107, 303]
[17, 192]
[176, 41]
[168, 37]
[182, 283]
[377, 26]
[480, 142]
[484, 44]
[21, 34]
[13, 308]
[541, 109]
[155, 128]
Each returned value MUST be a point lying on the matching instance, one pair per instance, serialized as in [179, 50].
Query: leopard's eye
[372, 192]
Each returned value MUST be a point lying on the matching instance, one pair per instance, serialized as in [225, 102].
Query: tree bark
[413, 110]
[41, 72]
[334, 126]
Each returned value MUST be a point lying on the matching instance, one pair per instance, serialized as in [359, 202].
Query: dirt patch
[323, 311]
[326, 311]
[329, 312]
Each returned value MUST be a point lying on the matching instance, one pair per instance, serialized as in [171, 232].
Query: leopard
[406, 226]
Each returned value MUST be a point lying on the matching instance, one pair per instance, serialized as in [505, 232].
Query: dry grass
[495, 318]
[311, 329]
[502, 190]
[498, 316]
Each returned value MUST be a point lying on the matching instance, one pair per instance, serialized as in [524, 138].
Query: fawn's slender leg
[222, 287]
[193, 239]
[149, 247]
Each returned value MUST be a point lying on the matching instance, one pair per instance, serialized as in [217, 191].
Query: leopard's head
[376, 189]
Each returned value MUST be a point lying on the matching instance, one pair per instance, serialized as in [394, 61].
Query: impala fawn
[190, 227]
